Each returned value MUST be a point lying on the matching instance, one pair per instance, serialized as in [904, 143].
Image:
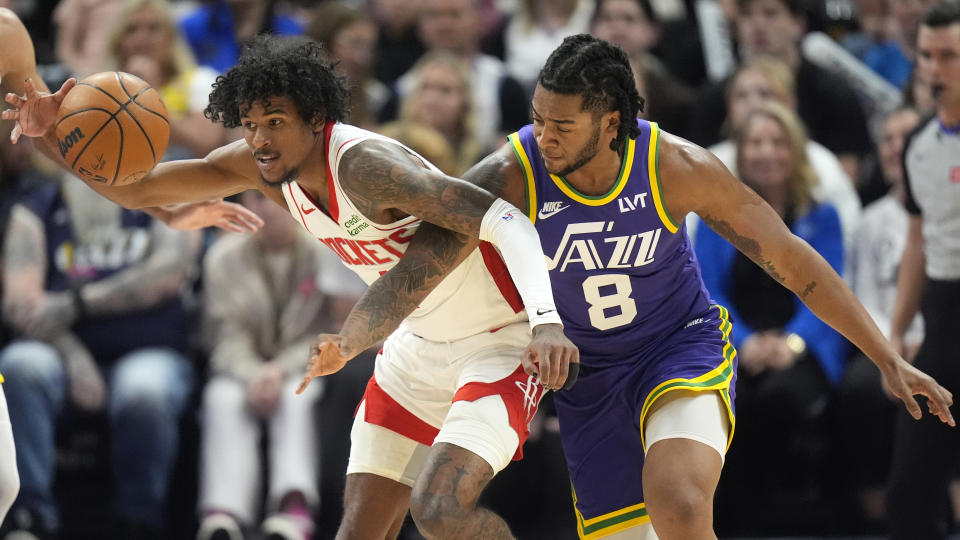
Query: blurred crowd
[163, 405]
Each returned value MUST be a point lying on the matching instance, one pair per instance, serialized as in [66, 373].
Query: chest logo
[551, 209]
[306, 211]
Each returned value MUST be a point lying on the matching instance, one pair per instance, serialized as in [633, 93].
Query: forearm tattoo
[433, 253]
[748, 246]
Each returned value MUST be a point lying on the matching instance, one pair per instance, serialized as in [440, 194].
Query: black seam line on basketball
[123, 107]
[83, 111]
[116, 173]
[133, 99]
[142, 106]
[94, 136]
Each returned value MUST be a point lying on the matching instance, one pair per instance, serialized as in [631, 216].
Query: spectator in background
[535, 29]
[423, 140]
[398, 45]
[866, 413]
[440, 98]
[632, 25]
[260, 336]
[765, 79]
[145, 41]
[93, 291]
[216, 30]
[876, 44]
[789, 359]
[451, 26]
[907, 15]
[826, 104]
[351, 37]
[81, 43]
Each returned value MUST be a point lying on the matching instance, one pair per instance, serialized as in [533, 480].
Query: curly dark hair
[600, 72]
[271, 66]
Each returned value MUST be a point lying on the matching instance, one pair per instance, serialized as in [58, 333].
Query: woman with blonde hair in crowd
[440, 98]
[350, 36]
[766, 79]
[789, 360]
[145, 41]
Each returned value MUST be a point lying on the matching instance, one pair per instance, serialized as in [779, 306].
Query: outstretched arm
[694, 180]
[35, 111]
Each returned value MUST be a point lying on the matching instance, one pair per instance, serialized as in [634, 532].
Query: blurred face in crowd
[441, 97]
[890, 147]
[397, 14]
[765, 157]
[768, 27]
[451, 25]
[147, 34]
[749, 89]
[623, 23]
[907, 14]
[354, 45]
[938, 59]
[278, 231]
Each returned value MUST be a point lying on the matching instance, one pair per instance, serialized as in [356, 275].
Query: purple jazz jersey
[628, 289]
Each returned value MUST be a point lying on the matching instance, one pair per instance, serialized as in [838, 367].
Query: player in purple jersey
[608, 195]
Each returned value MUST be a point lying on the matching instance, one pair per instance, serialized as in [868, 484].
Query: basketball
[112, 128]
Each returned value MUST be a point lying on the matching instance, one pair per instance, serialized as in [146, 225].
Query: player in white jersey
[449, 403]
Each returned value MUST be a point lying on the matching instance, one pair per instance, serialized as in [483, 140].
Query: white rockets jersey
[477, 296]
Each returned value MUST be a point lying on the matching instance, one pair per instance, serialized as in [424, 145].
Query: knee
[683, 503]
[223, 395]
[30, 364]
[151, 384]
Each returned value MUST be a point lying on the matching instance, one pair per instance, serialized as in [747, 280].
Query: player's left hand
[216, 213]
[35, 112]
[325, 359]
[905, 381]
[549, 356]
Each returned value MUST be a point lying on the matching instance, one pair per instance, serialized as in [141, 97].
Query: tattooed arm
[433, 253]
[693, 180]
[382, 179]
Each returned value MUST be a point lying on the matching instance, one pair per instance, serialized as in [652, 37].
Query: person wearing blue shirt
[216, 31]
[789, 358]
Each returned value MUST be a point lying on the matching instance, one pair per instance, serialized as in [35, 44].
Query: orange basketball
[112, 128]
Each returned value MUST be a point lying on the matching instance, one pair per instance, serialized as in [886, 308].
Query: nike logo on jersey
[551, 209]
[305, 209]
[544, 311]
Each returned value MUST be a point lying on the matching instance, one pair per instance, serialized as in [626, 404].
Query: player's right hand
[905, 381]
[549, 356]
[35, 112]
[325, 359]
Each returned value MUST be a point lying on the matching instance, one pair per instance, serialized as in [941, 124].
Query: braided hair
[296, 68]
[599, 72]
